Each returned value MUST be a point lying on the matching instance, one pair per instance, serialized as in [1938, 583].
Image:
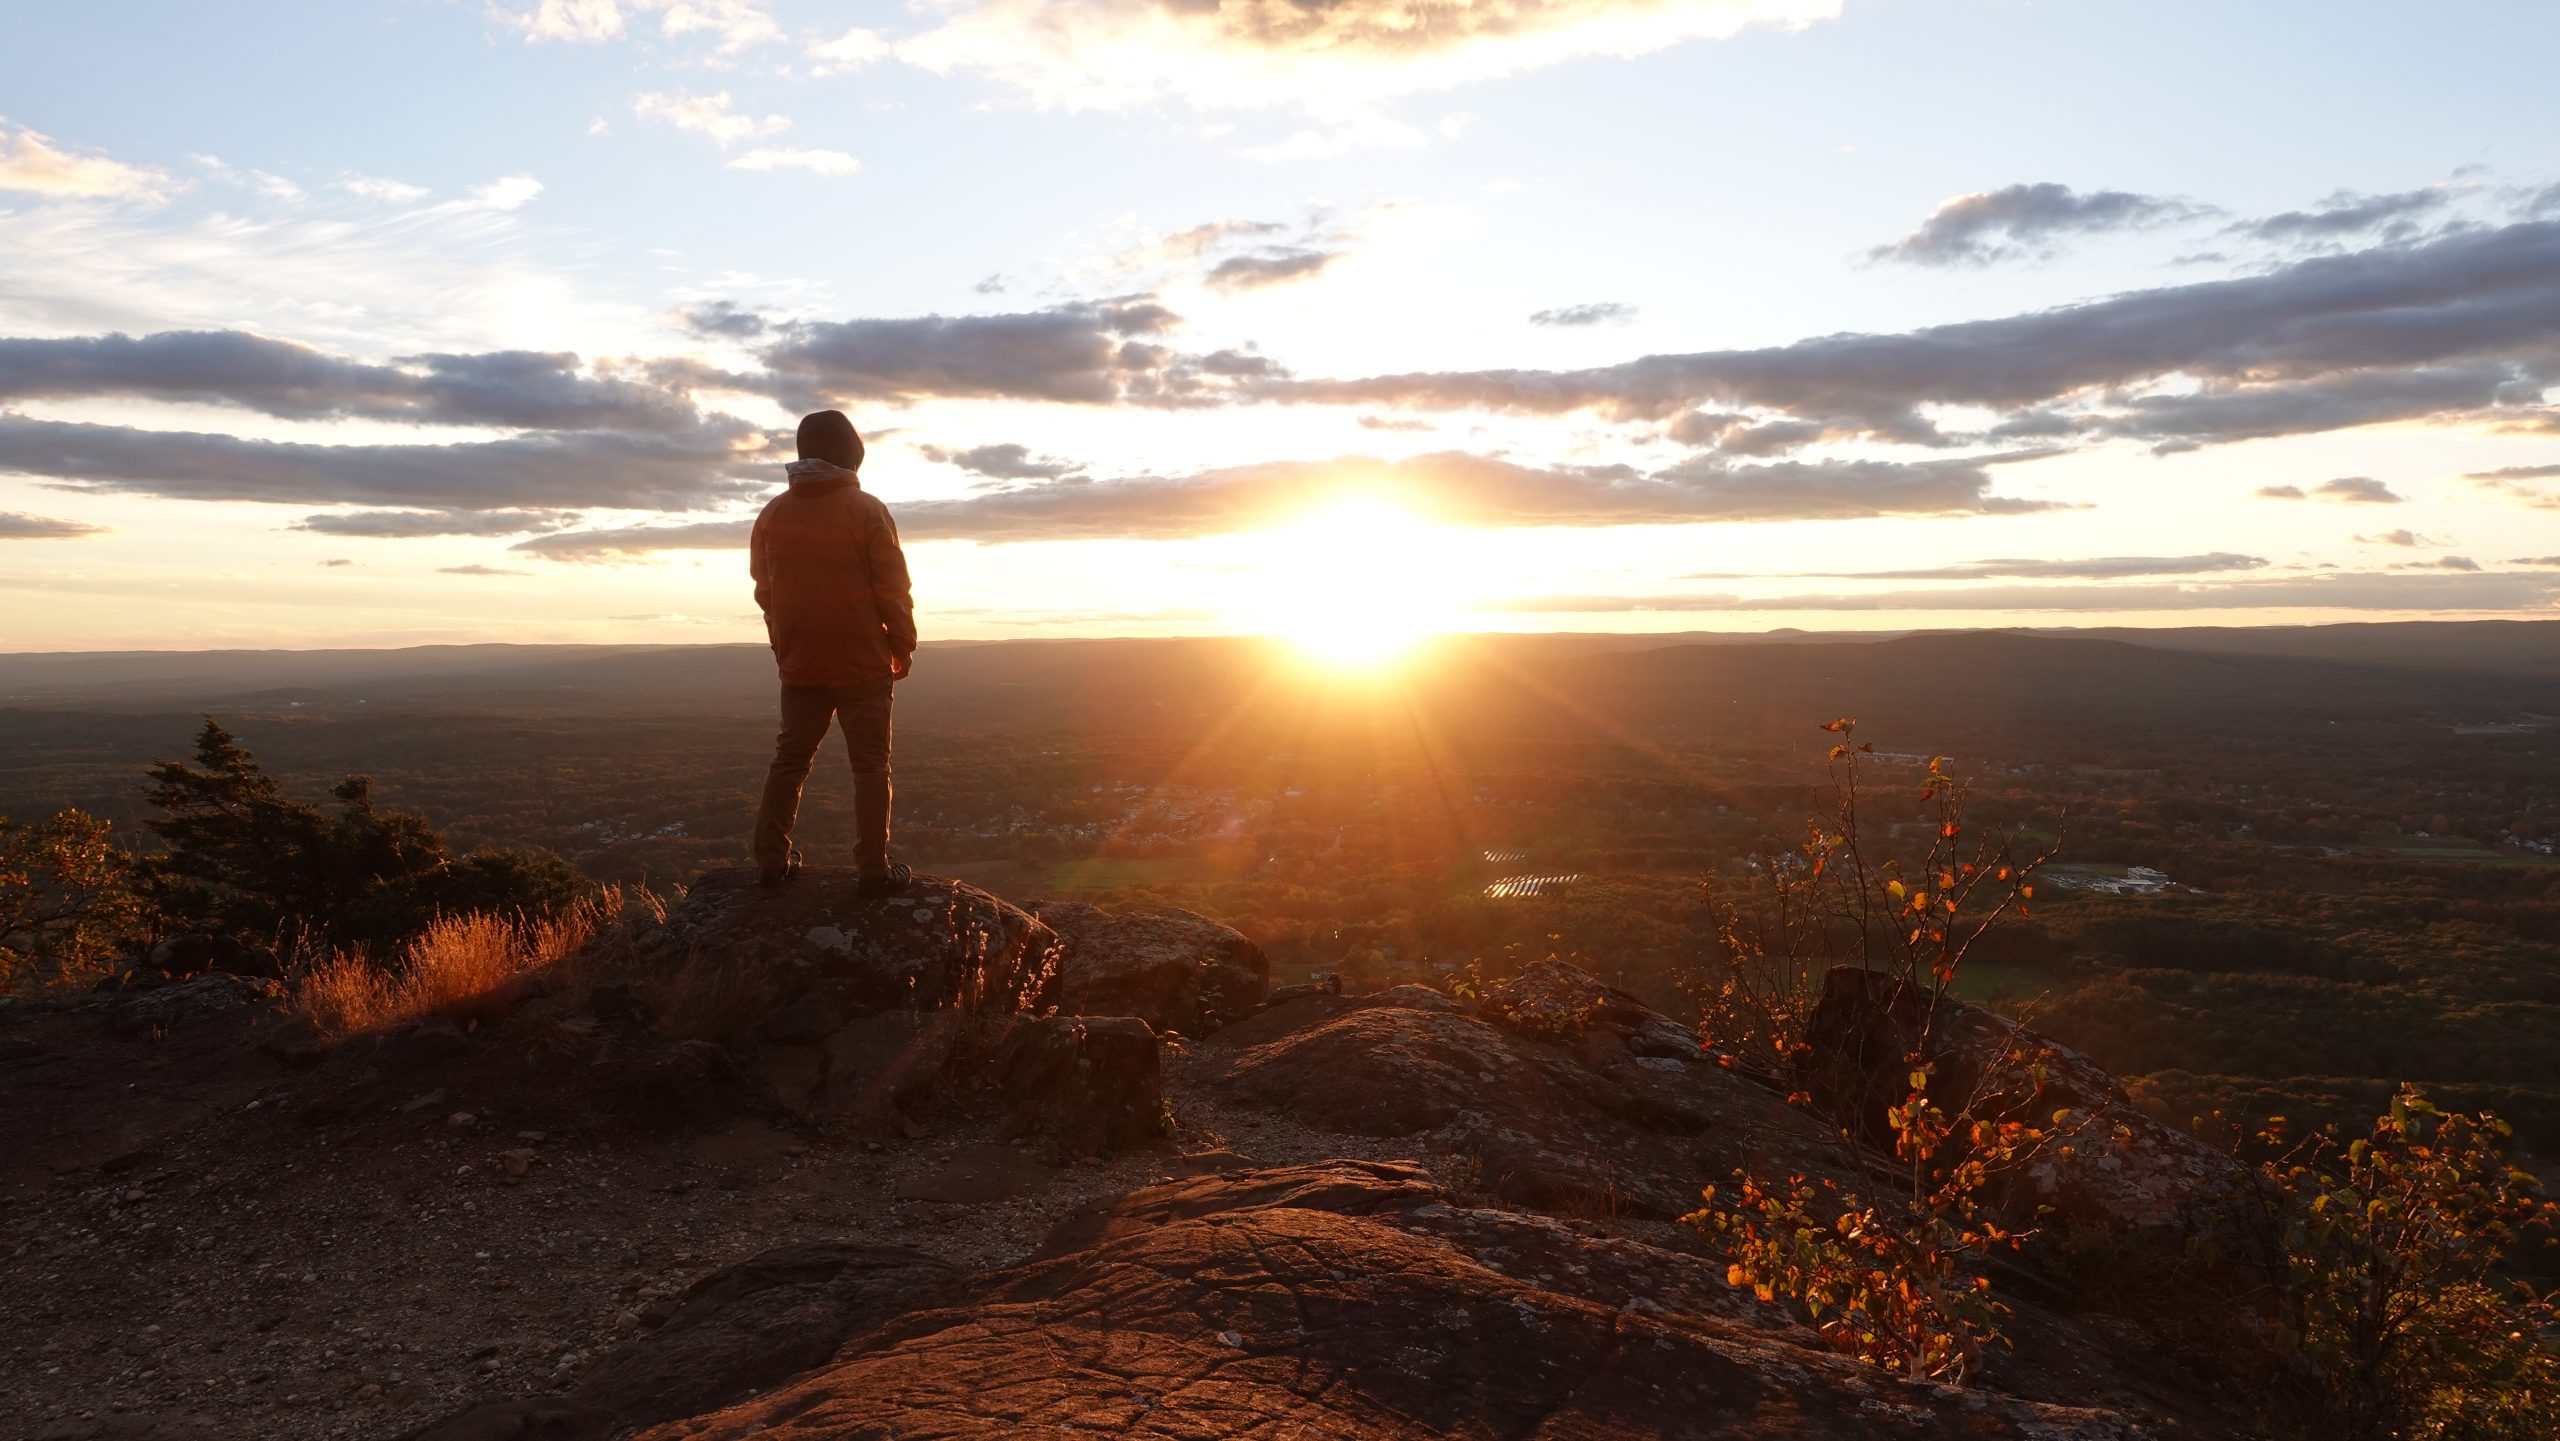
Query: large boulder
[1586, 1118]
[733, 1333]
[1079, 1085]
[1563, 1002]
[211, 994]
[943, 943]
[2115, 1195]
[197, 952]
[874, 1014]
[1175, 970]
[1356, 1300]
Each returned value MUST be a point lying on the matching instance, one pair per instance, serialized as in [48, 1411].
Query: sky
[431, 321]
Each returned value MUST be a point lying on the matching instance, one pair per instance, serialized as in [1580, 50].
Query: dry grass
[470, 965]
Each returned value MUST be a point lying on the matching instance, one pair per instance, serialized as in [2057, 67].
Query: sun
[1357, 583]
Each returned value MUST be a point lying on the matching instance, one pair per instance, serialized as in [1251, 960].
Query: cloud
[2356, 490]
[17, 525]
[1195, 241]
[2552, 560]
[2402, 537]
[578, 470]
[537, 389]
[1275, 267]
[2357, 590]
[266, 184]
[633, 542]
[2517, 472]
[334, 562]
[851, 50]
[2346, 215]
[2181, 422]
[2442, 562]
[411, 524]
[735, 24]
[723, 320]
[30, 161]
[1113, 54]
[2346, 490]
[1461, 489]
[1084, 353]
[1006, 461]
[2468, 321]
[1452, 487]
[2108, 567]
[1598, 312]
[508, 192]
[1232, 255]
[816, 162]
[2023, 221]
[706, 115]
[478, 570]
[377, 187]
[336, 270]
[2514, 484]
[574, 21]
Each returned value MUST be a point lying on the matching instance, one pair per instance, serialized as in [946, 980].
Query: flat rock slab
[731, 1333]
[1565, 1119]
[1353, 1300]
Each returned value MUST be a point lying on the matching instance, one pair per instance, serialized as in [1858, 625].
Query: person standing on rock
[832, 584]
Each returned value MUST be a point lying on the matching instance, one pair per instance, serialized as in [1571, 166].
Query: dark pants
[864, 711]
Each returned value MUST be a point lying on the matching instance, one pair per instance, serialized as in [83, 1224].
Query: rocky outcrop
[732, 1333]
[1082, 1086]
[942, 944]
[1175, 970]
[1589, 1118]
[1352, 1300]
[1563, 1002]
[197, 952]
[214, 993]
[854, 1009]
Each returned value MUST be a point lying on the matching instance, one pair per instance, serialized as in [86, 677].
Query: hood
[816, 472]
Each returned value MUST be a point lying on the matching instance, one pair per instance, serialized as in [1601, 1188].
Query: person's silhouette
[832, 584]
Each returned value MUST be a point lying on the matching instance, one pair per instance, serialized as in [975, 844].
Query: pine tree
[247, 860]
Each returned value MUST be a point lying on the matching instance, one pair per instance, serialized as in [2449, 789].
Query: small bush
[2396, 1312]
[1896, 1277]
[68, 907]
[1840, 900]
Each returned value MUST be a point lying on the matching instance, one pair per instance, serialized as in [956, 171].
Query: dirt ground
[184, 1254]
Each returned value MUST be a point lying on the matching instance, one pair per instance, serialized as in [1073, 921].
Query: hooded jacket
[831, 580]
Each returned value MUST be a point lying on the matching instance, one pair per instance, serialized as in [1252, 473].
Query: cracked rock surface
[1352, 1300]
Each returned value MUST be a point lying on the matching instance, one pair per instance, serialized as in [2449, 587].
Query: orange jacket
[831, 580]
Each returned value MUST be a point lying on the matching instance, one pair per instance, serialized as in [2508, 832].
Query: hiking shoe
[893, 881]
